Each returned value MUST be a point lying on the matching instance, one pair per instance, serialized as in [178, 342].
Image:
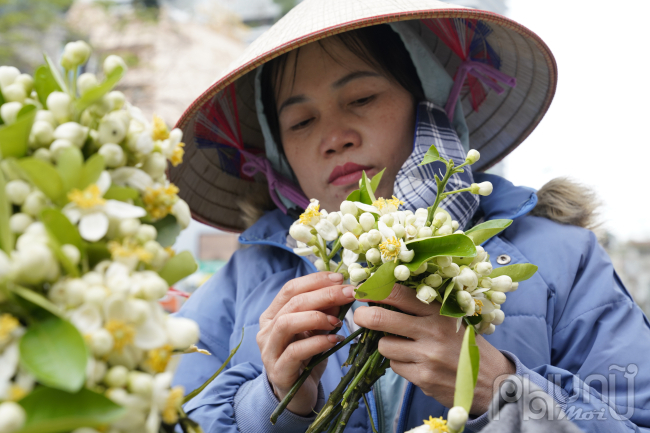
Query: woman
[341, 105]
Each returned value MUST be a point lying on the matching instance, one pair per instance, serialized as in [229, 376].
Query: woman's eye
[363, 101]
[302, 124]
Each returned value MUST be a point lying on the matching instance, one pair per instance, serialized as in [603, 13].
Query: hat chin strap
[277, 183]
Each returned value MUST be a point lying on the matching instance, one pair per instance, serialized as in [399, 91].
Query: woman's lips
[347, 173]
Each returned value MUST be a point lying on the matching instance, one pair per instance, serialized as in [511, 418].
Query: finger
[321, 299]
[405, 299]
[297, 353]
[297, 286]
[398, 349]
[286, 326]
[393, 322]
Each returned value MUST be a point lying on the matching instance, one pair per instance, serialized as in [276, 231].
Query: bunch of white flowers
[87, 217]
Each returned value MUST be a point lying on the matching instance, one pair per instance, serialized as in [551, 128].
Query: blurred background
[592, 133]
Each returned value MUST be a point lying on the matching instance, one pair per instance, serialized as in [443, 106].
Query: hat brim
[208, 180]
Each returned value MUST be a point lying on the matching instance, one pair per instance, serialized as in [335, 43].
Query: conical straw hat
[223, 120]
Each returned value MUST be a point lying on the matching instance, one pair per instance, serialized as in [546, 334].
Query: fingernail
[348, 291]
[336, 278]
[335, 338]
[334, 321]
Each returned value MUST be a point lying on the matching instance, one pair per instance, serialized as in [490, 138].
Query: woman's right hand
[289, 333]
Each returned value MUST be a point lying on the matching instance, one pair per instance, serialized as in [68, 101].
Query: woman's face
[341, 117]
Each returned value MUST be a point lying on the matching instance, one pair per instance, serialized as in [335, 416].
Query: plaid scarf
[415, 184]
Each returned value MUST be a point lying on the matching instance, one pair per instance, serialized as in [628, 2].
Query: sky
[595, 131]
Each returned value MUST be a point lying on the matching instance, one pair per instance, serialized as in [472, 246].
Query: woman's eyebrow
[297, 99]
[353, 76]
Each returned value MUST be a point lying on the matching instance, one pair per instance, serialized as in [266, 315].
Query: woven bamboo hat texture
[221, 127]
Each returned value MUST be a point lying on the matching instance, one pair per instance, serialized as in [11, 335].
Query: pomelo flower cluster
[87, 220]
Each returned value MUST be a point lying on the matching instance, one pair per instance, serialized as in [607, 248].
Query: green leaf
[374, 183]
[44, 176]
[379, 285]
[61, 231]
[432, 155]
[518, 272]
[486, 230]
[450, 307]
[121, 193]
[69, 166]
[96, 93]
[178, 267]
[456, 245]
[168, 230]
[14, 137]
[52, 411]
[365, 190]
[6, 235]
[467, 373]
[96, 252]
[354, 196]
[91, 171]
[56, 74]
[35, 299]
[55, 352]
[45, 83]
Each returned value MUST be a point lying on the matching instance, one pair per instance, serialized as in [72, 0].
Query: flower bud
[34, 203]
[112, 129]
[485, 282]
[327, 230]
[373, 256]
[349, 241]
[8, 75]
[433, 280]
[154, 287]
[181, 210]
[468, 278]
[399, 230]
[488, 330]
[19, 222]
[444, 230]
[75, 54]
[502, 283]
[450, 271]
[57, 147]
[95, 295]
[515, 286]
[483, 188]
[101, 342]
[496, 297]
[14, 93]
[113, 155]
[60, 105]
[117, 376]
[454, 225]
[421, 213]
[86, 82]
[457, 416]
[347, 207]
[155, 165]
[12, 415]
[112, 62]
[72, 253]
[367, 221]
[387, 219]
[443, 261]
[464, 299]
[26, 81]
[409, 219]
[421, 269]
[115, 99]
[426, 294]
[406, 255]
[182, 332]
[350, 223]
[425, 232]
[9, 112]
[146, 233]
[334, 218]
[358, 274]
[42, 134]
[411, 231]
[374, 237]
[301, 233]
[129, 227]
[17, 191]
[472, 156]
[140, 383]
[499, 317]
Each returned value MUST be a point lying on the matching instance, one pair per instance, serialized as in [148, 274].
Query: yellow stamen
[123, 333]
[170, 251]
[395, 202]
[390, 249]
[8, 324]
[174, 401]
[157, 359]
[177, 154]
[479, 306]
[437, 425]
[88, 198]
[16, 392]
[129, 248]
[311, 212]
[160, 131]
[159, 201]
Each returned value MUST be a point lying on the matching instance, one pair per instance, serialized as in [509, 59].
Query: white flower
[402, 273]
[425, 232]
[387, 219]
[347, 207]
[453, 270]
[113, 155]
[472, 156]
[496, 297]
[182, 332]
[101, 342]
[334, 218]
[60, 104]
[426, 294]
[17, 190]
[9, 112]
[26, 81]
[116, 99]
[146, 233]
[386, 231]
[499, 317]
[75, 54]
[113, 127]
[155, 165]
[373, 255]
[182, 212]
[42, 134]
[374, 238]
[350, 241]
[349, 257]
[502, 283]
[8, 75]
[35, 263]
[116, 377]
[444, 230]
[399, 230]
[483, 188]
[14, 93]
[457, 416]
[72, 253]
[367, 221]
[112, 62]
[86, 81]
[91, 211]
[358, 274]
[468, 278]
[301, 233]
[351, 224]
[326, 230]
[464, 299]
[484, 269]
[443, 261]
[12, 417]
[433, 280]
[405, 254]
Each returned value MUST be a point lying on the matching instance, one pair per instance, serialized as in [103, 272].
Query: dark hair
[379, 46]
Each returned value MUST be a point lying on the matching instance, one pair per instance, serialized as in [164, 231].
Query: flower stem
[360, 376]
[372, 422]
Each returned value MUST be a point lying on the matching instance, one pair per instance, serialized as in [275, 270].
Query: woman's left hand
[429, 358]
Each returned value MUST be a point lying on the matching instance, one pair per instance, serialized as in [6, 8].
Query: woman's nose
[339, 139]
